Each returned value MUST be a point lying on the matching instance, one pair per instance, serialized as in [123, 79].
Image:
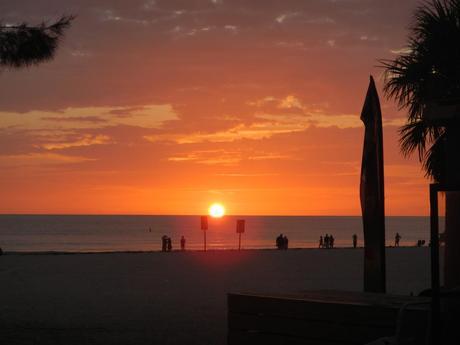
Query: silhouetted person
[169, 244]
[326, 241]
[331, 241]
[279, 241]
[164, 239]
[355, 240]
[397, 239]
[285, 243]
[321, 243]
[182, 243]
[150, 229]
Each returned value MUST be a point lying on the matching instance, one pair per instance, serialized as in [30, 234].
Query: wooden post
[435, 283]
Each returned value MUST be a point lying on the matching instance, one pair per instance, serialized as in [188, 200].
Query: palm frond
[417, 135]
[434, 162]
[24, 45]
[429, 72]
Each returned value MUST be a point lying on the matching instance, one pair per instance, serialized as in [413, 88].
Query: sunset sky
[164, 107]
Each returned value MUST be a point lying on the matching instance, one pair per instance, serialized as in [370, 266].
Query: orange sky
[163, 107]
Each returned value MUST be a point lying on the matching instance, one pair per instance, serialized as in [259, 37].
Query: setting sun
[216, 210]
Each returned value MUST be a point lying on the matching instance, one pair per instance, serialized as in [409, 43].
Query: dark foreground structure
[324, 317]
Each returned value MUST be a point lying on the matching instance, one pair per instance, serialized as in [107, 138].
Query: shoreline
[59, 252]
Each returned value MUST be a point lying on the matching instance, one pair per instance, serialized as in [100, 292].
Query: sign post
[239, 230]
[204, 227]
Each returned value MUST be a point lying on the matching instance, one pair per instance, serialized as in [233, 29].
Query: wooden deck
[320, 317]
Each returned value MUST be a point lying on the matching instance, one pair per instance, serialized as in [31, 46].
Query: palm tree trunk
[452, 238]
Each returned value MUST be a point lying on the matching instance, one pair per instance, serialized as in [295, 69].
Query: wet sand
[169, 298]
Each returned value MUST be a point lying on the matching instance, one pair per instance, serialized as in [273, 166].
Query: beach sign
[204, 222]
[240, 226]
[204, 227]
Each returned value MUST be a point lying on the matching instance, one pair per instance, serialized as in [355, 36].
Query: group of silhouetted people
[420, 243]
[166, 243]
[282, 242]
[326, 241]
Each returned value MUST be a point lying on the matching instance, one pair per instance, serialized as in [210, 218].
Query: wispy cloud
[148, 116]
[247, 174]
[110, 16]
[401, 51]
[218, 157]
[85, 140]
[254, 131]
[90, 119]
[40, 159]
[285, 16]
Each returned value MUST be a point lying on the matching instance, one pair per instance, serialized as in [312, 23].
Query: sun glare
[216, 210]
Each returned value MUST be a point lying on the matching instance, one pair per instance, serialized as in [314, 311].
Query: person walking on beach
[326, 241]
[279, 241]
[164, 239]
[285, 243]
[397, 239]
[182, 243]
[321, 243]
[355, 240]
[331, 241]
[169, 244]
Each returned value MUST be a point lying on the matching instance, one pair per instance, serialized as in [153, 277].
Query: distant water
[131, 233]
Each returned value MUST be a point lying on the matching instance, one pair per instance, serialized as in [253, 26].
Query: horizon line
[199, 215]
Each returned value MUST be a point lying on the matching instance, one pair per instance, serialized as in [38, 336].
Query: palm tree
[425, 81]
[24, 45]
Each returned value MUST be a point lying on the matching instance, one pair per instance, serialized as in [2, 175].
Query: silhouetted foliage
[24, 45]
[428, 72]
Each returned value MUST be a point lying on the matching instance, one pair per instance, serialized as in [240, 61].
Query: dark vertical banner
[372, 193]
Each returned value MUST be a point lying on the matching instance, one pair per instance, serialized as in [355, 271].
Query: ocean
[101, 233]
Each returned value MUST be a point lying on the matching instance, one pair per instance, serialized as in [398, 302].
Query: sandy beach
[169, 298]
